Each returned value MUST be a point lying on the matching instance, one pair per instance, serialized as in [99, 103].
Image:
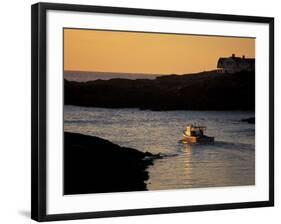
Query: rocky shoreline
[202, 91]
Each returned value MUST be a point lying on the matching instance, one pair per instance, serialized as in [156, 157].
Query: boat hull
[195, 139]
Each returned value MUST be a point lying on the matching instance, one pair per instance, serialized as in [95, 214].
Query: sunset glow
[152, 53]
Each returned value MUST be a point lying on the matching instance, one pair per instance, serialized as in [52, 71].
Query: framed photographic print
[139, 111]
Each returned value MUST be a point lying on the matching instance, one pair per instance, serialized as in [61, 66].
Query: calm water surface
[230, 161]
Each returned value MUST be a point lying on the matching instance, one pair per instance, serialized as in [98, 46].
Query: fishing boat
[195, 134]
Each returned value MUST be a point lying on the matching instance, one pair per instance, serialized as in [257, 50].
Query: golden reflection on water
[187, 168]
[177, 168]
[200, 166]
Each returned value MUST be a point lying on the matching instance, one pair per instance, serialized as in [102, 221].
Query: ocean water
[229, 161]
[80, 76]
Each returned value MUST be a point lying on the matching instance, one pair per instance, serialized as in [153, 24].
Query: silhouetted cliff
[202, 91]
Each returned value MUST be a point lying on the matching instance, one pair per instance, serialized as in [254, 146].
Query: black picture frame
[38, 108]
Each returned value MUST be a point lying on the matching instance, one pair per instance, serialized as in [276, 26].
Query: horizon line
[139, 73]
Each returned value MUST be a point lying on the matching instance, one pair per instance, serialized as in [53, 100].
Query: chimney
[243, 56]
[233, 55]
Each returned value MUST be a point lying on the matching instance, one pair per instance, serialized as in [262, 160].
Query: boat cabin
[192, 130]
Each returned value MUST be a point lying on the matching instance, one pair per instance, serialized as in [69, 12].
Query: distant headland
[212, 90]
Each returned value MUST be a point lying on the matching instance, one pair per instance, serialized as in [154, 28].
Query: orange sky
[131, 52]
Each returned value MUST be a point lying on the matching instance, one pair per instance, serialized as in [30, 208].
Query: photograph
[148, 111]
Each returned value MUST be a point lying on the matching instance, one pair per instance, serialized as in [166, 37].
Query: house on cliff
[235, 64]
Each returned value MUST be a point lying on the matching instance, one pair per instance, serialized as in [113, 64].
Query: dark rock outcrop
[95, 165]
[250, 120]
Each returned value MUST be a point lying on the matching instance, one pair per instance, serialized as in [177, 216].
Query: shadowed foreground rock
[95, 165]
